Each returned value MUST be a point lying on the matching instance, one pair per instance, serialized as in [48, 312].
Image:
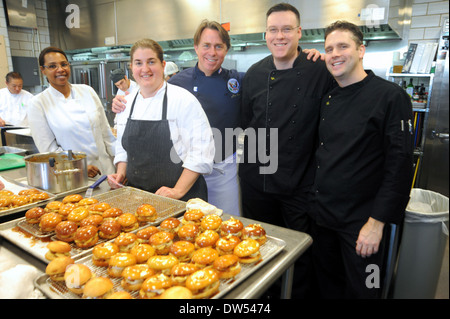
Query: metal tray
[128, 199]
[19, 186]
[33, 229]
[24, 182]
[36, 247]
[58, 290]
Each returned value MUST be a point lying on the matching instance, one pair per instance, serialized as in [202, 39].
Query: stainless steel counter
[253, 287]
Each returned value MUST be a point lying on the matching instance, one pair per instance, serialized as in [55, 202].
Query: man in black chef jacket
[280, 113]
[364, 169]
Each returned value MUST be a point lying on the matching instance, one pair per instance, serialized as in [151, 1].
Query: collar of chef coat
[301, 58]
[200, 72]
[130, 97]
[58, 95]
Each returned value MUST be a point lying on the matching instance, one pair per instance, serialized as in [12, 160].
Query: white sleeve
[121, 120]
[108, 138]
[196, 136]
[41, 132]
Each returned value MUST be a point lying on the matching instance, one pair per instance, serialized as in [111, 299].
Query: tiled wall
[4, 33]
[19, 41]
[427, 19]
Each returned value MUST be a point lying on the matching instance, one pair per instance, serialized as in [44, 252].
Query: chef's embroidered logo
[233, 86]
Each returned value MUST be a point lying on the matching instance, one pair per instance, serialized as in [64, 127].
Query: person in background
[124, 85]
[170, 70]
[165, 143]
[280, 108]
[13, 101]
[69, 116]
[364, 168]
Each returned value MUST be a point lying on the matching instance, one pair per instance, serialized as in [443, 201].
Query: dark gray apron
[148, 147]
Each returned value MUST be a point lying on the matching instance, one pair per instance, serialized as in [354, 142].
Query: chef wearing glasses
[69, 116]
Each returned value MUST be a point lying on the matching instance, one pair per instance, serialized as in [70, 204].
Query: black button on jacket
[365, 155]
[288, 101]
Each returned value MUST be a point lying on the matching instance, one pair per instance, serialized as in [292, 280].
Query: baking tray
[17, 187]
[33, 229]
[24, 182]
[58, 290]
[34, 241]
[36, 247]
[128, 199]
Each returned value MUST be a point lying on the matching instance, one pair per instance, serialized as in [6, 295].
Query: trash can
[422, 246]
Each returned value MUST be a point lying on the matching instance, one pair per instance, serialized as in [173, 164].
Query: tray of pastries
[84, 222]
[194, 256]
[16, 197]
[138, 208]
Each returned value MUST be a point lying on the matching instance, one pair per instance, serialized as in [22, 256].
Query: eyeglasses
[53, 67]
[284, 30]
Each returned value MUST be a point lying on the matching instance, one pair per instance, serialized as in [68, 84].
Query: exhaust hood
[173, 22]
[377, 19]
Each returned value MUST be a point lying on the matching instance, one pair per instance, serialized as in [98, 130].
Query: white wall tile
[14, 44]
[438, 7]
[425, 21]
[25, 46]
[18, 36]
[416, 33]
[419, 9]
[21, 53]
[432, 33]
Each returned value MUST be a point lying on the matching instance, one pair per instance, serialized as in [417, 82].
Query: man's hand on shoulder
[314, 54]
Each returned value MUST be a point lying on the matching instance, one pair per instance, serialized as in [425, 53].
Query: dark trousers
[340, 272]
[289, 212]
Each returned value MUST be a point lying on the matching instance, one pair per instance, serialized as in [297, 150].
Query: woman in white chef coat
[164, 141]
[69, 116]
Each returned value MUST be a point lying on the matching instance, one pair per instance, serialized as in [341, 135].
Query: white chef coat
[77, 123]
[13, 107]
[133, 88]
[189, 127]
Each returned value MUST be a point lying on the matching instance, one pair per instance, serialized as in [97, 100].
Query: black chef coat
[365, 155]
[288, 100]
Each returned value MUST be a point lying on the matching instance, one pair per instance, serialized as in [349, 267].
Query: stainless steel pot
[57, 172]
